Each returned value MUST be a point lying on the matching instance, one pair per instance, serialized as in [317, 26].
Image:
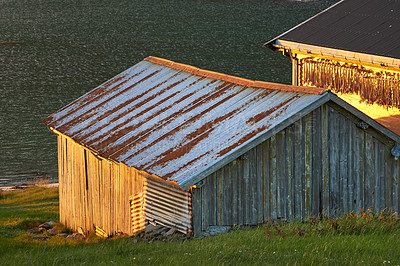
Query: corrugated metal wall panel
[167, 204]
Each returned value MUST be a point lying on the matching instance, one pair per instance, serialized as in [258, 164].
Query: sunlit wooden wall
[95, 191]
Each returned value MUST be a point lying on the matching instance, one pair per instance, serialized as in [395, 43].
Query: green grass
[352, 239]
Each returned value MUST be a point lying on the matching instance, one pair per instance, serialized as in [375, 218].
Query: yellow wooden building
[352, 48]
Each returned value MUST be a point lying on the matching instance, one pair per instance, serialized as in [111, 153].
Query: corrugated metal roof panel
[377, 21]
[174, 120]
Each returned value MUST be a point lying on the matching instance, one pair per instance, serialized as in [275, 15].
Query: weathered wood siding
[94, 191]
[323, 163]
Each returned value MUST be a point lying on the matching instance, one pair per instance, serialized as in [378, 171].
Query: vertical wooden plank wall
[94, 191]
[323, 163]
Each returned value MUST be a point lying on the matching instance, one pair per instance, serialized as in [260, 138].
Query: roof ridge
[233, 79]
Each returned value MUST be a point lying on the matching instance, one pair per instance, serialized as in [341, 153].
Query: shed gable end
[322, 163]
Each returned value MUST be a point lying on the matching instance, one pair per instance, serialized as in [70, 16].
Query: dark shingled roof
[363, 26]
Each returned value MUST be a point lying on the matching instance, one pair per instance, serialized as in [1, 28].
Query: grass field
[352, 239]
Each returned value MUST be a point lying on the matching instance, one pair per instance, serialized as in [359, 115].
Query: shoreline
[25, 186]
[28, 179]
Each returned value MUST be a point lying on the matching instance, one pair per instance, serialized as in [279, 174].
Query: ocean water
[51, 52]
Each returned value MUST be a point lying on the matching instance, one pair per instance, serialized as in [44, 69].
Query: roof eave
[295, 47]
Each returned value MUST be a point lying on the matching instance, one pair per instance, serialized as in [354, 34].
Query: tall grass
[365, 222]
[364, 238]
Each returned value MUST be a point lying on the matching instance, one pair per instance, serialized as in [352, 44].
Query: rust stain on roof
[192, 119]
[174, 120]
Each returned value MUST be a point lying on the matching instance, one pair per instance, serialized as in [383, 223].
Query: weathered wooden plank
[396, 185]
[252, 186]
[78, 186]
[106, 196]
[220, 203]
[303, 168]
[113, 216]
[298, 188]
[124, 191]
[246, 190]
[205, 208]
[369, 172]
[388, 178]
[227, 199]
[213, 202]
[89, 182]
[280, 173]
[130, 181]
[285, 177]
[351, 167]
[60, 153]
[308, 165]
[361, 169]
[325, 160]
[334, 143]
[84, 188]
[93, 176]
[259, 184]
[379, 176]
[266, 181]
[118, 208]
[71, 198]
[102, 195]
[343, 163]
[119, 195]
[97, 193]
[316, 163]
[69, 192]
[65, 183]
[240, 192]
[234, 185]
[196, 212]
[292, 171]
[274, 179]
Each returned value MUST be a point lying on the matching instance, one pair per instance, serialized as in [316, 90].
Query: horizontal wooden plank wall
[323, 163]
[94, 191]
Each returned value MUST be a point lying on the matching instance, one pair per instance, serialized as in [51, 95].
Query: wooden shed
[196, 150]
[352, 48]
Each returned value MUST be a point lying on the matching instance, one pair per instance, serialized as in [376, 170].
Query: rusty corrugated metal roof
[174, 120]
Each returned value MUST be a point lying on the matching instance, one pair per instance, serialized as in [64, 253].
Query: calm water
[69, 47]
